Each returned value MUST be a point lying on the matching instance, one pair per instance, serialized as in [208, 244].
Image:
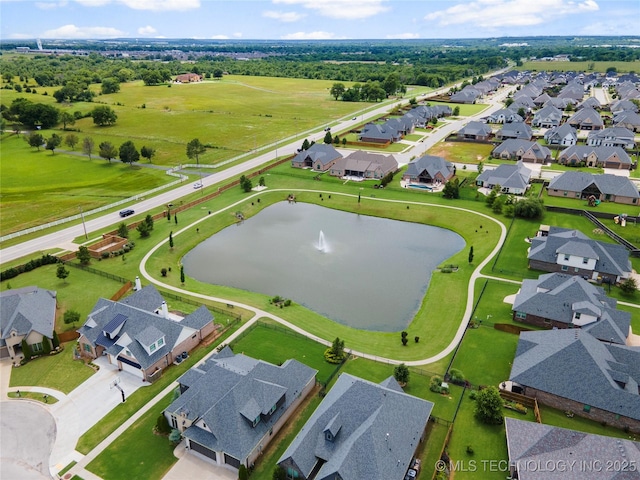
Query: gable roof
[386, 132]
[561, 132]
[543, 358]
[475, 128]
[318, 152]
[603, 154]
[229, 391]
[586, 116]
[430, 164]
[27, 309]
[380, 430]
[607, 183]
[513, 145]
[628, 118]
[531, 443]
[360, 161]
[507, 176]
[548, 112]
[515, 130]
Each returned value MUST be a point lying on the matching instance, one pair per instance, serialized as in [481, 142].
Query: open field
[621, 67]
[462, 152]
[466, 110]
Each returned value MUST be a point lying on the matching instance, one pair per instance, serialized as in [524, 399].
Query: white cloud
[72, 31]
[510, 13]
[154, 5]
[237, 35]
[50, 5]
[220, 37]
[309, 36]
[283, 16]
[404, 35]
[148, 30]
[339, 9]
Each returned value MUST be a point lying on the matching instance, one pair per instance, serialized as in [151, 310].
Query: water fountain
[322, 245]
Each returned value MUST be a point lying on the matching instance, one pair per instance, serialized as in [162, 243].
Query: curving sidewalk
[262, 313]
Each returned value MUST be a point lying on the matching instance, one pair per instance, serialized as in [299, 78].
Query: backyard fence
[110, 276]
[189, 301]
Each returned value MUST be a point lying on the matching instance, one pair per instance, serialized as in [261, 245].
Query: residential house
[428, 169]
[627, 119]
[231, 406]
[623, 106]
[604, 157]
[188, 78]
[586, 119]
[28, 314]
[540, 100]
[504, 115]
[522, 101]
[547, 117]
[576, 454]
[475, 131]
[377, 133]
[605, 187]
[525, 150]
[564, 135]
[560, 103]
[466, 95]
[139, 335]
[591, 102]
[364, 165]
[518, 130]
[572, 371]
[513, 179]
[612, 137]
[319, 156]
[572, 252]
[559, 300]
[360, 430]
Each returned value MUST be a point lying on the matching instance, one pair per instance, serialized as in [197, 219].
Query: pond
[366, 272]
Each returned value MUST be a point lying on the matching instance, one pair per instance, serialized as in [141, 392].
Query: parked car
[126, 213]
[197, 185]
[354, 118]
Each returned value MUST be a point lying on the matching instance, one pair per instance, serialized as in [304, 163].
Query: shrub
[335, 353]
[242, 473]
[489, 406]
[163, 272]
[175, 437]
[435, 385]
[105, 254]
[470, 450]
[162, 425]
[456, 375]
[71, 316]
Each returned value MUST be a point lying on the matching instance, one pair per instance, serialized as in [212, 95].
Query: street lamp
[83, 224]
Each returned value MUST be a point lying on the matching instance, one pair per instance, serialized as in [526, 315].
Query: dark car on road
[126, 213]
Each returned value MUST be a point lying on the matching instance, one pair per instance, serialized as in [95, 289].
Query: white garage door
[129, 366]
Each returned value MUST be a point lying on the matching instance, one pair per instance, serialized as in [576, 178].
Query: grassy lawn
[431, 449]
[59, 372]
[138, 452]
[276, 344]
[33, 396]
[413, 137]
[461, 152]
[465, 110]
[59, 185]
[558, 418]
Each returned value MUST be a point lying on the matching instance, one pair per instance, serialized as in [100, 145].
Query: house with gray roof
[627, 119]
[612, 137]
[586, 119]
[572, 252]
[560, 103]
[564, 135]
[623, 106]
[139, 335]
[558, 300]
[428, 169]
[364, 165]
[319, 156]
[27, 314]
[513, 179]
[232, 405]
[525, 150]
[547, 117]
[577, 455]
[605, 187]
[475, 131]
[603, 157]
[519, 130]
[380, 133]
[591, 102]
[467, 96]
[504, 115]
[573, 371]
[360, 430]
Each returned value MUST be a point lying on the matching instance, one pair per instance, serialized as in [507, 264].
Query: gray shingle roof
[531, 443]
[575, 365]
[586, 116]
[507, 176]
[228, 392]
[558, 133]
[607, 184]
[430, 164]
[514, 145]
[380, 430]
[318, 152]
[475, 128]
[515, 130]
[27, 309]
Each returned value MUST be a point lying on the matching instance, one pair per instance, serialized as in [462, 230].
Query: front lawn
[59, 372]
[462, 152]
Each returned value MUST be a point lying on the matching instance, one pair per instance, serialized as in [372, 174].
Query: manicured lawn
[413, 137]
[138, 452]
[462, 152]
[431, 449]
[465, 110]
[276, 344]
[558, 418]
[33, 396]
[59, 372]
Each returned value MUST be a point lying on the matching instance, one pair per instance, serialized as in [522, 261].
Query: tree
[391, 84]
[195, 148]
[35, 139]
[174, 436]
[83, 255]
[522, 112]
[337, 90]
[261, 182]
[171, 240]
[71, 317]
[26, 350]
[529, 208]
[87, 146]
[46, 346]
[629, 286]
[55, 340]
[471, 254]
[53, 142]
[456, 111]
[182, 274]
[279, 473]
[147, 152]
[103, 116]
[67, 119]
[493, 194]
[489, 406]
[305, 144]
[143, 229]
[242, 473]
[71, 140]
[110, 85]
[335, 353]
[401, 374]
[128, 153]
[123, 231]
[328, 139]
[34, 114]
[245, 184]
[149, 221]
[451, 189]
[62, 273]
[162, 425]
[107, 151]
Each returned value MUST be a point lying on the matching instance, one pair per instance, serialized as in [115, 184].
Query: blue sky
[315, 19]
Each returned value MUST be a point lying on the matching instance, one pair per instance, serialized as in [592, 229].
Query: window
[565, 268]
[566, 257]
[161, 342]
[87, 347]
[565, 194]
[36, 347]
[174, 422]
[586, 408]
[578, 316]
[521, 315]
[585, 260]
[273, 409]
[291, 473]
[256, 421]
[152, 347]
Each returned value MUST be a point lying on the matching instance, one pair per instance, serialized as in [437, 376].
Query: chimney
[165, 310]
[138, 285]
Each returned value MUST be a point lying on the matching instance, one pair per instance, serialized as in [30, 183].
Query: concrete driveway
[190, 466]
[27, 433]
